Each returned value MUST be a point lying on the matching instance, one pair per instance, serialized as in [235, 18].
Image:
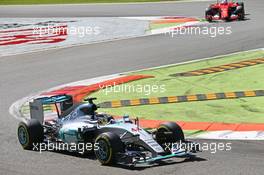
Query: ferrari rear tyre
[108, 145]
[241, 11]
[30, 133]
[241, 4]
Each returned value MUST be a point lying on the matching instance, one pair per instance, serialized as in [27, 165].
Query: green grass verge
[24, 2]
[231, 110]
[160, 26]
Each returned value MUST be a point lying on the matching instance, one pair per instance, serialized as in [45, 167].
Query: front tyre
[30, 133]
[168, 133]
[208, 15]
[108, 145]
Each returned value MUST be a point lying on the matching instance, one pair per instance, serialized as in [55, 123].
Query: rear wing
[61, 102]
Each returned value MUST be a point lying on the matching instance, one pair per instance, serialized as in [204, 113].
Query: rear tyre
[107, 147]
[241, 4]
[241, 16]
[30, 133]
[241, 11]
[168, 133]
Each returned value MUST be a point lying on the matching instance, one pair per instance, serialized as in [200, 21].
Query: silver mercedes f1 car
[120, 141]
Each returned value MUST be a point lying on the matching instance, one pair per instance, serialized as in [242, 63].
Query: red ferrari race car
[225, 10]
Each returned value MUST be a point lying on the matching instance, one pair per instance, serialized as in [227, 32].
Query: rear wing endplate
[36, 106]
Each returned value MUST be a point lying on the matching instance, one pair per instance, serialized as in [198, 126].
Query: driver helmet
[224, 1]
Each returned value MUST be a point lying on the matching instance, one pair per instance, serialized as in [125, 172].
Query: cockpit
[85, 109]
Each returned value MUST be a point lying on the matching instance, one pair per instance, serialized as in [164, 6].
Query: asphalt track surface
[24, 74]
